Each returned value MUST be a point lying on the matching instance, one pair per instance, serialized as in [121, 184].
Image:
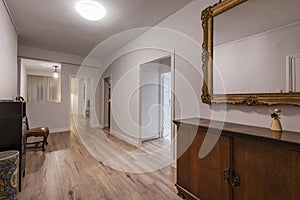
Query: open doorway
[155, 100]
[74, 95]
[80, 96]
[106, 104]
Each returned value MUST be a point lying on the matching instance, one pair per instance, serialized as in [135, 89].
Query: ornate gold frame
[247, 99]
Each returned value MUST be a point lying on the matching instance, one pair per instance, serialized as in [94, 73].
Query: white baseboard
[58, 130]
[128, 139]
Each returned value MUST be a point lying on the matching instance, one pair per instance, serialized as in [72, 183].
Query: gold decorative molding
[208, 96]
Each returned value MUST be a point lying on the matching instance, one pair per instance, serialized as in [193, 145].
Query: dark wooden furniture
[36, 132]
[246, 162]
[11, 131]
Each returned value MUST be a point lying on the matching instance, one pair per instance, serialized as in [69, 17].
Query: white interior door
[150, 102]
[166, 105]
[156, 99]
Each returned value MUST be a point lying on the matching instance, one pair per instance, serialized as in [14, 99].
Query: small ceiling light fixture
[90, 10]
[55, 73]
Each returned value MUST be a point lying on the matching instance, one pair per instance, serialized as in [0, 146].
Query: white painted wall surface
[125, 92]
[186, 22]
[59, 120]
[8, 56]
[259, 59]
[188, 79]
[54, 115]
[23, 81]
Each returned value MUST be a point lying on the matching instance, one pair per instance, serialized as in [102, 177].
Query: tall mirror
[252, 52]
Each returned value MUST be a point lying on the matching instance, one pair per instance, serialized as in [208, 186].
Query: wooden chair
[36, 132]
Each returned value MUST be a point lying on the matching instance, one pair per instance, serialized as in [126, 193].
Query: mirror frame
[207, 58]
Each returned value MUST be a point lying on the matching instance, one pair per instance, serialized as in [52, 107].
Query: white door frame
[173, 129]
[103, 99]
[173, 126]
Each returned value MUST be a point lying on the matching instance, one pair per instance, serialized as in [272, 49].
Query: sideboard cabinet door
[201, 178]
[266, 170]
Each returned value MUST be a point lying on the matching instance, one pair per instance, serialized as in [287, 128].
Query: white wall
[54, 115]
[8, 56]
[58, 118]
[182, 32]
[48, 55]
[188, 21]
[125, 92]
[23, 82]
[254, 59]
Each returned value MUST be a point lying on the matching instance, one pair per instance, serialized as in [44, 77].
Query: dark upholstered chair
[36, 132]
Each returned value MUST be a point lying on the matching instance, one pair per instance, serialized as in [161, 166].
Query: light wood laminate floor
[67, 170]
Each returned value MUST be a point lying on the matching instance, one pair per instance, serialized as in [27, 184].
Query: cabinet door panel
[202, 177]
[267, 171]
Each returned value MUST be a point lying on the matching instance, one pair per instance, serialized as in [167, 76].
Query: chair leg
[46, 140]
[43, 145]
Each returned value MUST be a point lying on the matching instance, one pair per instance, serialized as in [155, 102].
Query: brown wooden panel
[202, 177]
[267, 171]
[287, 138]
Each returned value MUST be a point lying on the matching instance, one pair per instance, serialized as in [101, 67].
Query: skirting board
[130, 140]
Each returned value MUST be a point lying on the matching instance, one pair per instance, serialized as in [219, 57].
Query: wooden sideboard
[246, 162]
[12, 127]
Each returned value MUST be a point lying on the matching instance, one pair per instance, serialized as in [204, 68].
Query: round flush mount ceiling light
[90, 10]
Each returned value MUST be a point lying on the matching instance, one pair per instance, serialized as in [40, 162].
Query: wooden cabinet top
[289, 138]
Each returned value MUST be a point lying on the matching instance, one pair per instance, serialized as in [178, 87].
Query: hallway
[66, 170]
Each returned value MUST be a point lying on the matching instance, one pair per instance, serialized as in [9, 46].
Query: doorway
[80, 96]
[74, 95]
[155, 100]
[106, 104]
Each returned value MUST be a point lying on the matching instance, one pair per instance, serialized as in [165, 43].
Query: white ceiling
[254, 17]
[55, 25]
[38, 67]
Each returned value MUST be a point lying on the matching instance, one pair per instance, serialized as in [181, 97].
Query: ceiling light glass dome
[90, 10]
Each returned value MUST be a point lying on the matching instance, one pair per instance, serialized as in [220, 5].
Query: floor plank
[67, 170]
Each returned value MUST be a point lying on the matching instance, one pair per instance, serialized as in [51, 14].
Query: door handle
[236, 180]
[226, 175]
[231, 178]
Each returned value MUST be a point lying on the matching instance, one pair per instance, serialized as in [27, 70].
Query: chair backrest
[20, 98]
